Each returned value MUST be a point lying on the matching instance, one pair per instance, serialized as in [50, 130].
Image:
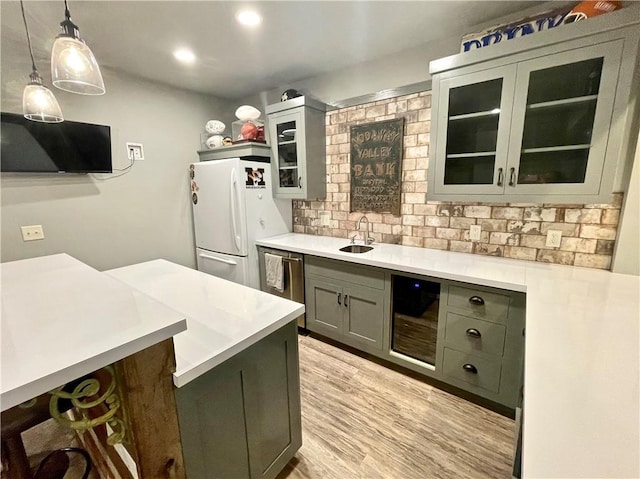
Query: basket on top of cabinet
[544, 118]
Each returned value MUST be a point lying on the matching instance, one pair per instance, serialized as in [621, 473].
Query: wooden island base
[145, 384]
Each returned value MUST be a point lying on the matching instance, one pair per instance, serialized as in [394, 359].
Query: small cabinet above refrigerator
[297, 137]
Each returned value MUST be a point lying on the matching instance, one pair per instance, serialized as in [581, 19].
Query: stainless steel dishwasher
[293, 270]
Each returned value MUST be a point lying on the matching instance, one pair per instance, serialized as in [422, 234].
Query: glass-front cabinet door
[561, 117]
[298, 148]
[472, 149]
[287, 133]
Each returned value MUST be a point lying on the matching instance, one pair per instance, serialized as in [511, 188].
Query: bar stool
[15, 462]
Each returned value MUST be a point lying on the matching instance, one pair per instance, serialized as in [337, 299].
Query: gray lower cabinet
[242, 418]
[480, 330]
[481, 348]
[345, 302]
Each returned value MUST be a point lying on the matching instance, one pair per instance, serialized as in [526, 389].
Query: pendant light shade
[38, 102]
[73, 66]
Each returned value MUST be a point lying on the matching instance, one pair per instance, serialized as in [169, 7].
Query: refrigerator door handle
[234, 197]
[221, 260]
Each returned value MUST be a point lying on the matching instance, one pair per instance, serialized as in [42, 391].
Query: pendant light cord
[24, 19]
[67, 14]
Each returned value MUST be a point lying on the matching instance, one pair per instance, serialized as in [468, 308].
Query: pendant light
[38, 102]
[73, 66]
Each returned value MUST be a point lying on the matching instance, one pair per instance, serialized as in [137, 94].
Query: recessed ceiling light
[249, 18]
[184, 55]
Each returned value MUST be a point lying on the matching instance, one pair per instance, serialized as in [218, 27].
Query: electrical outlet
[553, 238]
[31, 233]
[135, 151]
[474, 232]
[325, 218]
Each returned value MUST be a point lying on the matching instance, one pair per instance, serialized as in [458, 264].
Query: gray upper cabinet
[474, 142]
[534, 120]
[297, 138]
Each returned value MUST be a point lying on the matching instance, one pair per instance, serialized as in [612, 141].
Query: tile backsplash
[510, 230]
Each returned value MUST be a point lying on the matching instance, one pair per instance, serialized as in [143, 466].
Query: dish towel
[275, 271]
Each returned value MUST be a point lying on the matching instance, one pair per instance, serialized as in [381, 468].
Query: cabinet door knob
[339, 298]
[476, 300]
[299, 181]
[512, 176]
[346, 298]
[470, 368]
[500, 177]
[474, 333]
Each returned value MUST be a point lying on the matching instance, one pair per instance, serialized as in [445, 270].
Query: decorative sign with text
[376, 160]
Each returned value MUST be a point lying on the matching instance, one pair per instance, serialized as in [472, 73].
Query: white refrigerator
[232, 207]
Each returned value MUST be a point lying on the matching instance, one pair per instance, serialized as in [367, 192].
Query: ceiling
[296, 40]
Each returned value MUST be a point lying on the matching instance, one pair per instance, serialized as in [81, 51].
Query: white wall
[109, 220]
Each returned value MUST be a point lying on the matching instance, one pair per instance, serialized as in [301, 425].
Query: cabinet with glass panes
[297, 138]
[547, 124]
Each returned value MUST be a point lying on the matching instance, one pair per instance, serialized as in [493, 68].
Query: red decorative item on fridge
[589, 9]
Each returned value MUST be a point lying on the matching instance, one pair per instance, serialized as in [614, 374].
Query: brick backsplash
[510, 230]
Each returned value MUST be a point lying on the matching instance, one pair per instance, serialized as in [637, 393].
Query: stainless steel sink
[356, 248]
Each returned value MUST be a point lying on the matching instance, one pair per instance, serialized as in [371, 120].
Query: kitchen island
[63, 320]
[226, 403]
[581, 363]
[237, 379]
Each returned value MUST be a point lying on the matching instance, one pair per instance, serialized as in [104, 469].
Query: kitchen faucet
[366, 239]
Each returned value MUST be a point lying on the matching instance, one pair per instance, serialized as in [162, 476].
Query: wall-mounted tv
[68, 147]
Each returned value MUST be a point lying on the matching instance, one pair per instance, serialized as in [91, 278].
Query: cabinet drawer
[479, 303]
[341, 271]
[477, 371]
[474, 335]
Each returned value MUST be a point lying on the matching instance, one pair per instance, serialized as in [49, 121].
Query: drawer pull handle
[500, 176]
[474, 333]
[346, 298]
[470, 368]
[339, 298]
[512, 177]
[476, 300]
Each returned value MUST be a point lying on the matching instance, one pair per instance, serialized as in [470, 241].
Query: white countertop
[62, 319]
[582, 351]
[223, 318]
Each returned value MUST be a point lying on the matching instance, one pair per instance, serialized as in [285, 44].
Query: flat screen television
[67, 147]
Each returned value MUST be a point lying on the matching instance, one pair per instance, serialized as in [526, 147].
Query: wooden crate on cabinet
[298, 145]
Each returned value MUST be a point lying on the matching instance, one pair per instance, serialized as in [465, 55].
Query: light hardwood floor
[362, 420]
